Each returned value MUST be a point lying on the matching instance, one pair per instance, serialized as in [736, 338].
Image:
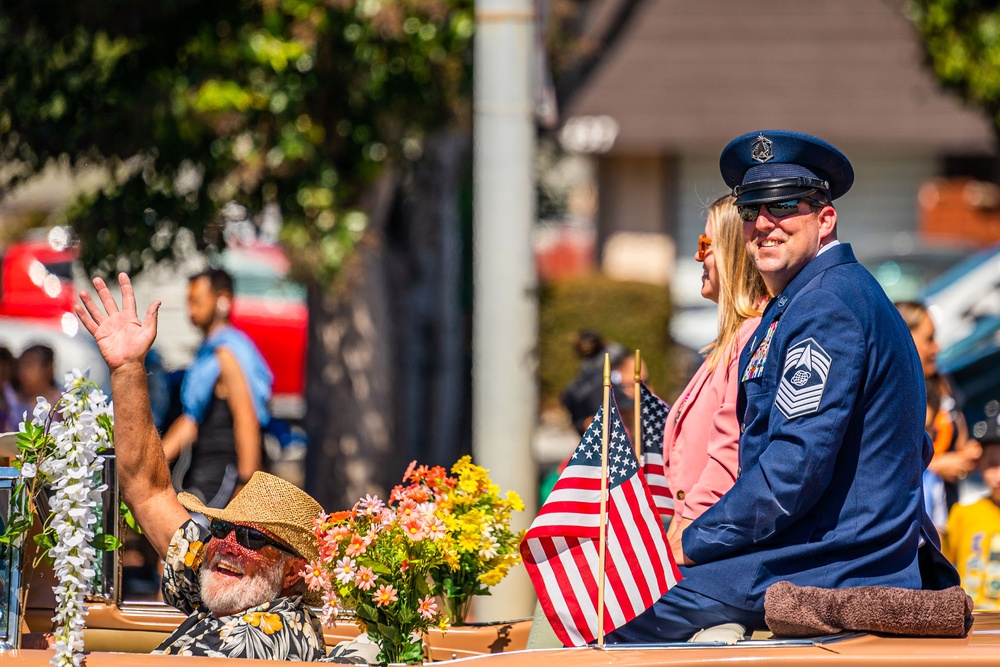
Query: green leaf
[128, 517]
[45, 540]
[367, 612]
[390, 633]
[414, 653]
[106, 542]
[378, 568]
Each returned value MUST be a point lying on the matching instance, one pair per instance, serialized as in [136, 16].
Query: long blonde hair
[742, 292]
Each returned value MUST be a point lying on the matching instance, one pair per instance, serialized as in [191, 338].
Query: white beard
[226, 595]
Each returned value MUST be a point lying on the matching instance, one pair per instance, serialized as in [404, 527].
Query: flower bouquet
[479, 547]
[439, 535]
[376, 560]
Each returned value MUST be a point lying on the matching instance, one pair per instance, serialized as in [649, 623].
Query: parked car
[37, 278]
[964, 295]
[973, 364]
[118, 627]
[271, 309]
[905, 271]
[76, 350]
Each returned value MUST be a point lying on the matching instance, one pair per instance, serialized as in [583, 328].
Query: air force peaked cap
[773, 165]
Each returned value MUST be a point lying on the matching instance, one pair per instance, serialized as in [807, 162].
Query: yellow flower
[268, 623]
[515, 501]
[451, 557]
[493, 577]
[468, 542]
[193, 556]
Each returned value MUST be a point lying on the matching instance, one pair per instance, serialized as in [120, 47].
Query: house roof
[689, 75]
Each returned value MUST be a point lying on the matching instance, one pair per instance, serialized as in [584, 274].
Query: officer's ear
[827, 223]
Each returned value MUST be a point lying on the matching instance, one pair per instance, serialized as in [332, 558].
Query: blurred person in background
[224, 399]
[34, 376]
[585, 393]
[955, 453]
[702, 434]
[972, 536]
[7, 363]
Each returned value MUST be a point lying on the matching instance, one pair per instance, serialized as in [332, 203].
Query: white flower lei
[72, 467]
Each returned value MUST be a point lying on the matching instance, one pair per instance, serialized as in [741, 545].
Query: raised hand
[120, 336]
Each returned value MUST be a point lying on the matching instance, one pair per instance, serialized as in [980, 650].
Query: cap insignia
[762, 149]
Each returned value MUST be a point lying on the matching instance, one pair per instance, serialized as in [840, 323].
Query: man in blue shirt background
[217, 439]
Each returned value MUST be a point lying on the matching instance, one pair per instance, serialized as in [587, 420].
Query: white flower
[69, 464]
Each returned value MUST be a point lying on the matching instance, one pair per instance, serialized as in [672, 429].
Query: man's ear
[293, 572]
[828, 223]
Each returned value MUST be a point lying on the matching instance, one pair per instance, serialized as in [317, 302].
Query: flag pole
[637, 400]
[603, 543]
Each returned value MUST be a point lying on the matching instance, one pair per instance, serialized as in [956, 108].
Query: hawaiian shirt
[284, 629]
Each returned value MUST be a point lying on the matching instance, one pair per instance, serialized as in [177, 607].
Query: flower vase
[457, 607]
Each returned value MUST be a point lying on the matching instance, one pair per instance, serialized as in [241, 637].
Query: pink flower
[435, 528]
[345, 570]
[407, 508]
[331, 607]
[372, 504]
[371, 534]
[338, 532]
[427, 607]
[409, 470]
[357, 546]
[388, 516]
[316, 578]
[414, 529]
[319, 523]
[384, 595]
[365, 578]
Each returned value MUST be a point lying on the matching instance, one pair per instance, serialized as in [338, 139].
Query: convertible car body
[123, 632]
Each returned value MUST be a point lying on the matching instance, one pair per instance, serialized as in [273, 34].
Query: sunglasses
[779, 209]
[246, 537]
[704, 243]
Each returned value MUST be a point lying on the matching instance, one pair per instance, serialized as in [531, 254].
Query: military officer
[832, 403]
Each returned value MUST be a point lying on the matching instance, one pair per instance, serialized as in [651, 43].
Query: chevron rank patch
[807, 366]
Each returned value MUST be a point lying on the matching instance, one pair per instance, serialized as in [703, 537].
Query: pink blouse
[702, 435]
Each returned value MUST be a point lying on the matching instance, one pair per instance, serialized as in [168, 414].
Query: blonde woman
[701, 439]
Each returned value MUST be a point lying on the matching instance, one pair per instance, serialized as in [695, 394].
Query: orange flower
[357, 546]
[384, 595]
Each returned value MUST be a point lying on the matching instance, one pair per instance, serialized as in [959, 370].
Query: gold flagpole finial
[637, 402]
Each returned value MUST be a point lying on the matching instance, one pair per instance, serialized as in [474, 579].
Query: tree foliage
[190, 105]
[962, 40]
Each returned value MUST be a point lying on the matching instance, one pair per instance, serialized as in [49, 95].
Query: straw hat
[272, 504]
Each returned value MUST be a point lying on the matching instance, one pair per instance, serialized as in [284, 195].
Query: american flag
[654, 418]
[561, 548]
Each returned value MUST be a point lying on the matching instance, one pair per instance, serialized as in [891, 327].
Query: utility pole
[505, 307]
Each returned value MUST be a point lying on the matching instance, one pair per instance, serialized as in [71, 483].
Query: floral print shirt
[284, 629]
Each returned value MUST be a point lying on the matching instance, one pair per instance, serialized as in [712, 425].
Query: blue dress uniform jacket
[832, 449]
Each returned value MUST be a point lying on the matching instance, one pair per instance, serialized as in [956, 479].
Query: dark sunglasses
[704, 243]
[778, 209]
[246, 537]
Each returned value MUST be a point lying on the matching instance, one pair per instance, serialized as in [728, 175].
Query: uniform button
[680, 495]
[739, 472]
[743, 427]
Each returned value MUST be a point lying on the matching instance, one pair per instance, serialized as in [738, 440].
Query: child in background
[972, 537]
